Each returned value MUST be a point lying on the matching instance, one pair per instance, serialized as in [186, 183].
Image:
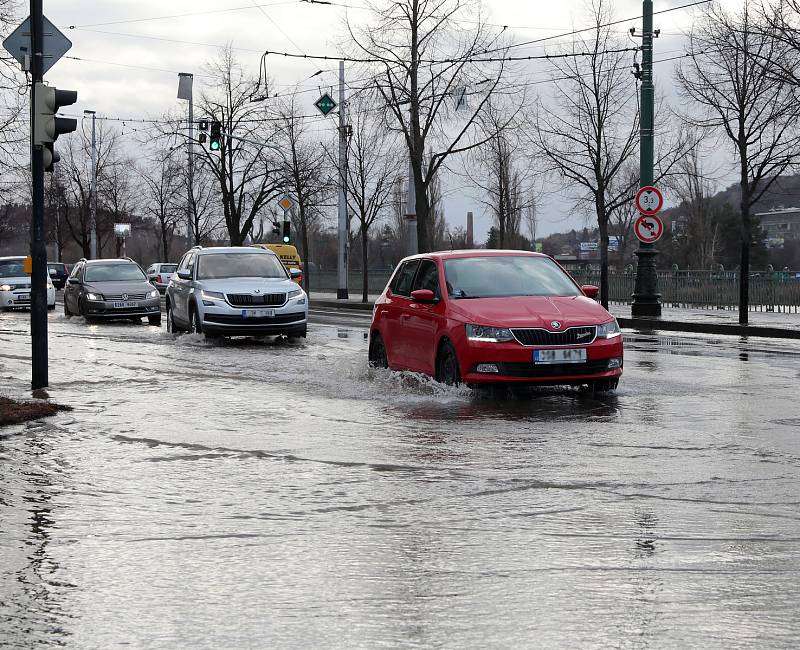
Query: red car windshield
[506, 275]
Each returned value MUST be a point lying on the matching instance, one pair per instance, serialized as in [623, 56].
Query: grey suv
[111, 289]
[235, 291]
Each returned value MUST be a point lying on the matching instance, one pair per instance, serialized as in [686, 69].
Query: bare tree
[531, 217]
[77, 170]
[423, 54]
[13, 102]
[164, 195]
[501, 174]
[246, 171]
[591, 130]
[306, 176]
[695, 191]
[372, 166]
[205, 211]
[758, 113]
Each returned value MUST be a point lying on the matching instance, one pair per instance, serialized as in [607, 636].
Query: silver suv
[235, 291]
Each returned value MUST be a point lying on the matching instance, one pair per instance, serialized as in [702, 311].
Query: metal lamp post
[646, 299]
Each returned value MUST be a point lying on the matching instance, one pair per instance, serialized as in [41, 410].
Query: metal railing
[771, 292]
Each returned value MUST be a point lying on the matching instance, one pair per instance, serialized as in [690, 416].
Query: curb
[341, 304]
[653, 324]
[644, 324]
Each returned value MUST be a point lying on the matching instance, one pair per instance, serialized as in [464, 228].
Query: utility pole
[93, 194]
[341, 292]
[39, 378]
[411, 214]
[646, 303]
[185, 82]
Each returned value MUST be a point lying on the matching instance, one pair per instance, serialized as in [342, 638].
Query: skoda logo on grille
[124, 296]
[556, 325]
[257, 291]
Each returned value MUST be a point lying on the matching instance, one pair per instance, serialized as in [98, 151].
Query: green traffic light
[285, 239]
[215, 145]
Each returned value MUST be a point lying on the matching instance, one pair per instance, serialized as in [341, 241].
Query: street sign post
[648, 228]
[649, 200]
[55, 44]
[325, 104]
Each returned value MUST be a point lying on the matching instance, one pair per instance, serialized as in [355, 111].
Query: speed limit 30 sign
[649, 200]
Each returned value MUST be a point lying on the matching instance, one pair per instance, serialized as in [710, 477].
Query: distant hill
[784, 193]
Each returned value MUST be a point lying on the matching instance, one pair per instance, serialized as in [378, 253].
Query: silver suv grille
[570, 336]
[246, 300]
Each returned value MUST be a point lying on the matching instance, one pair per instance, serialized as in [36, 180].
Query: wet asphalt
[255, 494]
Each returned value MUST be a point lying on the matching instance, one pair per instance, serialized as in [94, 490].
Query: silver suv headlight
[212, 295]
[608, 330]
[6, 287]
[294, 294]
[94, 296]
[489, 334]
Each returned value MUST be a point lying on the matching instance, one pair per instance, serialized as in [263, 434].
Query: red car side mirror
[423, 295]
[590, 291]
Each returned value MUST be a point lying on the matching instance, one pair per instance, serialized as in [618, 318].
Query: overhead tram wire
[189, 14]
[596, 27]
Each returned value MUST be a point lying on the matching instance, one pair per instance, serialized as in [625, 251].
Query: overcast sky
[130, 51]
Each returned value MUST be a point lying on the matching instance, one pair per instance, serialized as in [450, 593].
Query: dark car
[58, 274]
[111, 289]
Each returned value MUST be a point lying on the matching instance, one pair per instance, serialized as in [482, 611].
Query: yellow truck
[288, 255]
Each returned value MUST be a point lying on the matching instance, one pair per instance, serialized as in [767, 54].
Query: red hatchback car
[484, 317]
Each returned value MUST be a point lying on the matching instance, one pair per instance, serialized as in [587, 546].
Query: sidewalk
[673, 319]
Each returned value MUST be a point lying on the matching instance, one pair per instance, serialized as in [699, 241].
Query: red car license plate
[560, 355]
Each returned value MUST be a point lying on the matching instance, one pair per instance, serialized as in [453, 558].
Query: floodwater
[243, 494]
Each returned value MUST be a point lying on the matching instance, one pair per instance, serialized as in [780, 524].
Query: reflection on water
[274, 494]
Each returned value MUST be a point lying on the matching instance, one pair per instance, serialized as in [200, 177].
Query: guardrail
[771, 292]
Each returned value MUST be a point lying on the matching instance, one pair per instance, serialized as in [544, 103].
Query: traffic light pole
[39, 377]
[646, 303]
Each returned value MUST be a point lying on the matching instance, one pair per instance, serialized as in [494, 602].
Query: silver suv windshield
[11, 268]
[113, 273]
[239, 265]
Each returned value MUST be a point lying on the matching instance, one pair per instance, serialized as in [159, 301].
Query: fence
[778, 292]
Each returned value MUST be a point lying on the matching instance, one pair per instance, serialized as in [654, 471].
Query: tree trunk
[744, 266]
[365, 272]
[603, 227]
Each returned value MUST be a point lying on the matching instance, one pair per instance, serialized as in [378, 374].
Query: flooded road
[242, 494]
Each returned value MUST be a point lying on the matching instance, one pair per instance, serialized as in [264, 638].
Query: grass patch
[14, 411]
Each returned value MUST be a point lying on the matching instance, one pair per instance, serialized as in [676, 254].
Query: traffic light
[215, 139]
[203, 125]
[276, 228]
[46, 126]
[287, 232]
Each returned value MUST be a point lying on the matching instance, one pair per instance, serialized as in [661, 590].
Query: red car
[484, 317]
